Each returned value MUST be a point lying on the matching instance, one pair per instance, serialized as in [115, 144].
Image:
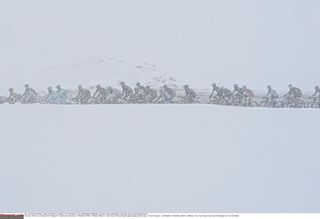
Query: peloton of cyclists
[240, 95]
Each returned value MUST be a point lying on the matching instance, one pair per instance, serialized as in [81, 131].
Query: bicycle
[315, 102]
[291, 102]
[249, 102]
[271, 103]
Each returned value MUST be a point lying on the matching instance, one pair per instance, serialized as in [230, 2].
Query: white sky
[253, 42]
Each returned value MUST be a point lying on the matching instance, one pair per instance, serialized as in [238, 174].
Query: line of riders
[240, 96]
[102, 95]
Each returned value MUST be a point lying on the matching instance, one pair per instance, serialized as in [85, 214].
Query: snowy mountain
[108, 72]
[90, 72]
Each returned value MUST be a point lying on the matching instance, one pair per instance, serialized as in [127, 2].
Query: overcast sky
[255, 42]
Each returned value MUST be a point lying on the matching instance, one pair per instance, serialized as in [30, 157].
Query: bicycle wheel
[253, 104]
[301, 104]
[313, 105]
[224, 102]
[264, 104]
[234, 103]
[279, 104]
[287, 105]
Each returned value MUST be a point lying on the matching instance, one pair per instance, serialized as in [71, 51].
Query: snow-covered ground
[158, 158]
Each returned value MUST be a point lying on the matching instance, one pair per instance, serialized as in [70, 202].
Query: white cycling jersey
[272, 94]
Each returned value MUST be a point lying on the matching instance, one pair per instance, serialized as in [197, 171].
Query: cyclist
[51, 97]
[317, 93]
[139, 94]
[151, 94]
[272, 94]
[225, 92]
[166, 94]
[237, 91]
[13, 96]
[127, 92]
[117, 93]
[61, 94]
[294, 93]
[215, 89]
[247, 93]
[101, 94]
[113, 95]
[224, 95]
[29, 96]
[237, 95]
[83, 95]
[140, 88]
[190, 96]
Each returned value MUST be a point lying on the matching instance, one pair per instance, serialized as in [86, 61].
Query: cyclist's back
[167, 94]
[127, 91]
[272, 94]
[51, 96]
[294, 92]
[29, 96]
[191, 95]
[13, 96]
[215, 90]
[83, 95]
[317, 92]
[247, 93]
[237, 92]
[61, 94]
